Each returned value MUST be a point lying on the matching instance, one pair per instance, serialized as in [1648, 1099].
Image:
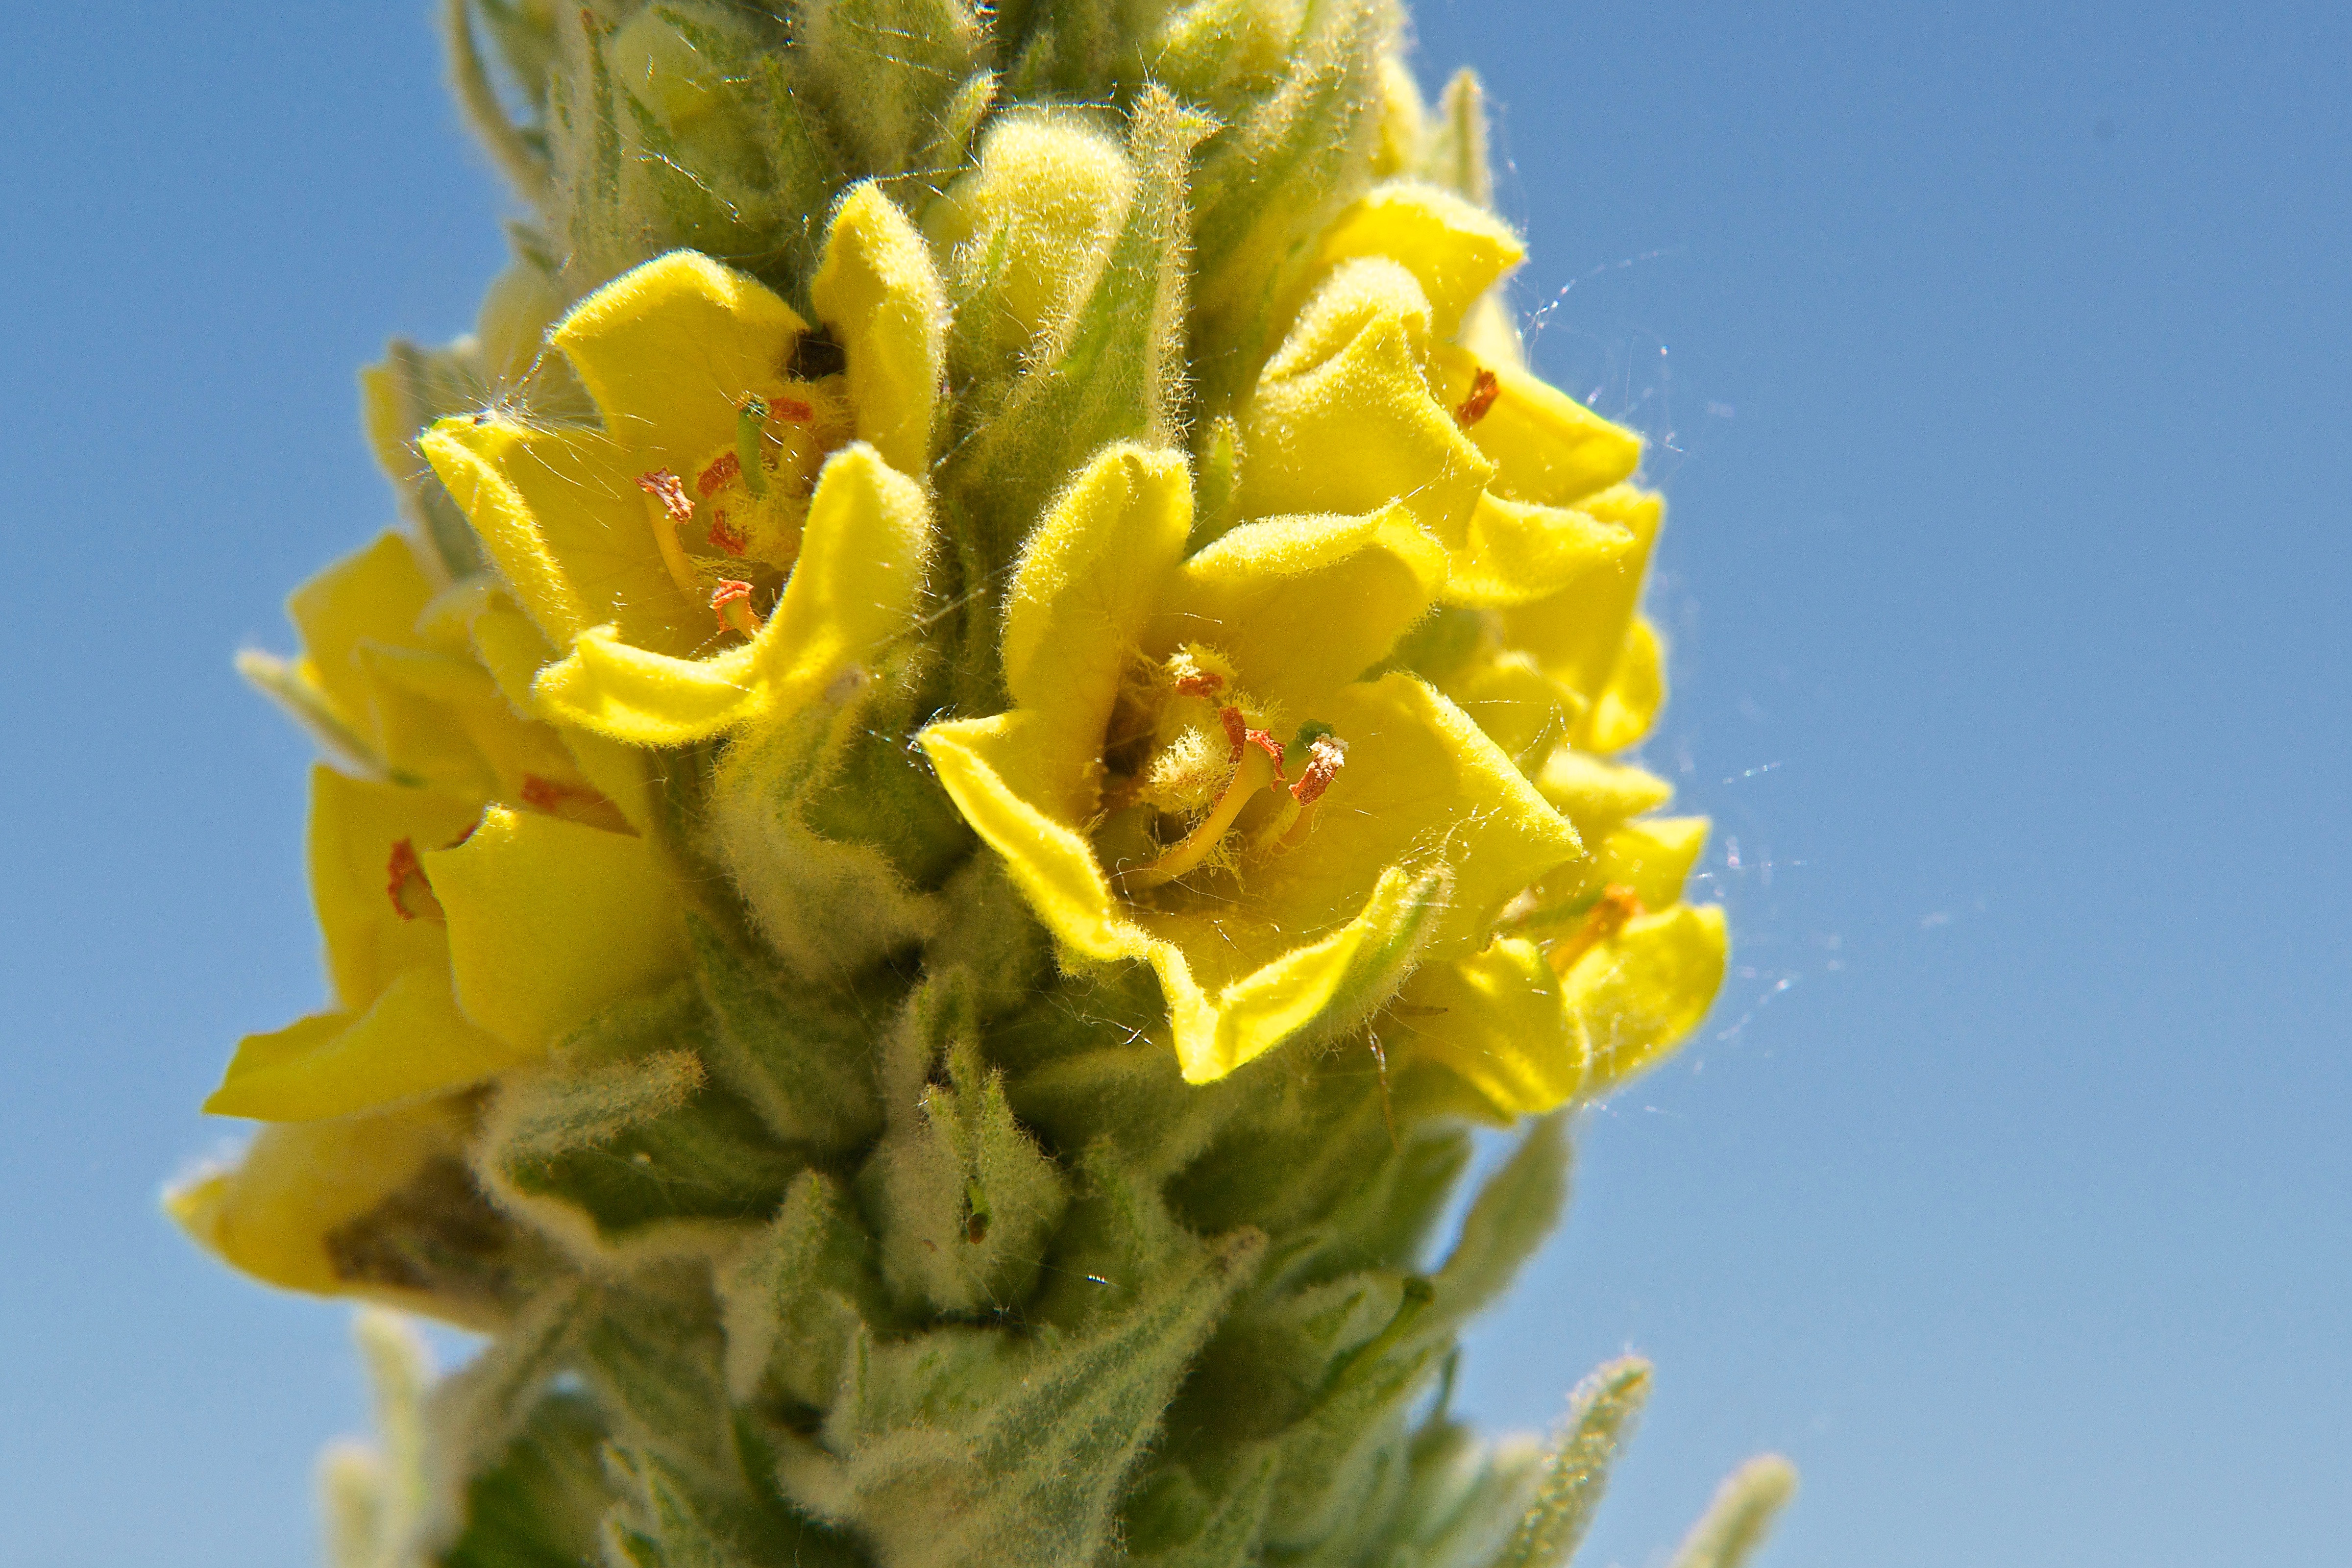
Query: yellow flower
[1191, 772]
[1606, 970]
[1370, 401]
[461, 939]
[448, 952]
[294, 1209]
[749, 520]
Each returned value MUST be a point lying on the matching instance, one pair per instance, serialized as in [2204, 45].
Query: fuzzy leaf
[1031, 1472]
[962, 1196]
[794, 1302]
[808, 1070]
[1600, 1419]
[1741, 1515]
[831, 828]
[539, 1505]
[622, 1132]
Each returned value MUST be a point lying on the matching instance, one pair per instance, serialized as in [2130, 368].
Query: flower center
[729, 532]
[1197, 781]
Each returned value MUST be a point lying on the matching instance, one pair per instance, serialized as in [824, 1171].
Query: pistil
[1256, 763]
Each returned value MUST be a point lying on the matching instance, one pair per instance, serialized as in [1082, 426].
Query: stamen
[412, 895]
[1485, 387]
[1256, 763]
[676, 509]
[722, 471]
[732, 604]
[1320, 754]
[1201, 683]
[751, 434]
[725, 535]
[1617, 904]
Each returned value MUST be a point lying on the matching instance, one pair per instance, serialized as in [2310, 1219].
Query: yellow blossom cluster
[1316, 718]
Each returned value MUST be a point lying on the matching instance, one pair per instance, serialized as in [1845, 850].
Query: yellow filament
[1255, 772]
[673, 554]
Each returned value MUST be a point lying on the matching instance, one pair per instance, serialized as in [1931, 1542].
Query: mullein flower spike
[1001, 713]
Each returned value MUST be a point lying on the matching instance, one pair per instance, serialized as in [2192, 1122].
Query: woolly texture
[998, 722]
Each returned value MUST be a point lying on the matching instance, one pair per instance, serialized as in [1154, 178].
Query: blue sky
[1995, 358]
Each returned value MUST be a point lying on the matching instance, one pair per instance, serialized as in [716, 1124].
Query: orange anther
[723, 471]
[410, 894]
[1201, 683]
[663, 485]
[793, 410]
[725, 535]
[1325, 758]
[1484, 389]
[732, 602]
[1236, 728]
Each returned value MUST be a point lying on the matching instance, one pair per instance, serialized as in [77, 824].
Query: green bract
[999, 722]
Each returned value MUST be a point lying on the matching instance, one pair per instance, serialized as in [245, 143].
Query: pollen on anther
[1201, 683]
[723, 471]
[1485, 387]
[1325, 757]
[1236, 729]
[664, 488]
[730, 593]
[791, 410]
[725, 535]
[404, 884]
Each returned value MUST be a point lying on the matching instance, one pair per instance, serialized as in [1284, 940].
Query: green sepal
[405, 394]
[807, 1068]
[833, 829]
[1463, 1497]
[539, 1505]
[794, 1301]
[622, 1131]
[986, 927]
[1025, 1465]
[1455, 155]
[1270, 183]
[650, 1346]
[1115, 371]
[1741, 1515]
[1209, 1517]
[1576, 1471]
[663, 1519]
[960, 1195]
[885, 73]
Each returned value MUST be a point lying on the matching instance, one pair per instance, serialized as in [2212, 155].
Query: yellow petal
[1495, 1019]
[1422, 783]
[560, 513]
[1456, 251]
[411, 1043]
[857, 586]
[273, 1214]
[1522, 710]
[1516, 552]
[353, 826]
[1029, 792]
[1629, 705]
[372, 597]
[669, 349]
[1343, 419]
[1237, 988]
[1546, 447]
[1635, 998]
[1654, 858]
[550, 922]
[1579, 633]
[1597, 794]
[881, 297]
[1304, 605]
[1087, 582]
